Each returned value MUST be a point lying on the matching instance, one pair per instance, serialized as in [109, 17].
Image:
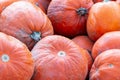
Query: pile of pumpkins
[59, 40]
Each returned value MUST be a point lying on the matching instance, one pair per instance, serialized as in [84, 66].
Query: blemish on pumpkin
[97, 70]
[5, 58]
[61, 53]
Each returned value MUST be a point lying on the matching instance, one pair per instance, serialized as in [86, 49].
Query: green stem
[36, 36]
[82, 11]
[106, 0]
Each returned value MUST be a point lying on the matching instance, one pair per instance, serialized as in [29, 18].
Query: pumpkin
[86, 43]
[106, 66]
[43, 4]
[59, 58]
[109, 40]
[69, 17]
[27, 23]
[103, 18]
[16, 62]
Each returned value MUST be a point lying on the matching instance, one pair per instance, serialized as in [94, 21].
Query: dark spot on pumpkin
[110, 65]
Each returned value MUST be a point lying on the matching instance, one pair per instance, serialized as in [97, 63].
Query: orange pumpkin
[59, 58]
[27, 23]
[103, 18]
[106, 66]
[16, 62]
[109, 40]
[69, 17]
[86, 43]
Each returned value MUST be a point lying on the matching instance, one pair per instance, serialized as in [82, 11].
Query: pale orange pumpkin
[59, 58]
[109, 40]
[87, 44]
[16, 62]
[106, 66]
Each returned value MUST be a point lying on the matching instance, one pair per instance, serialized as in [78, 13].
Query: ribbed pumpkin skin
[50, 65]
[109, 40]
[65, 19]
[20, 65]
[103, 18]
[5, 3]
[21, 19]
[106, 66]
[87, 44]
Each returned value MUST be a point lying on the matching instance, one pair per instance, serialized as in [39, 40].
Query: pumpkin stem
[36, 36]
[61, 53]
[5, 58]
[82, 11]
[106, 0]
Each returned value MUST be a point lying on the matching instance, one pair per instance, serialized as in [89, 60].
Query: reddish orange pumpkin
[26, 22]
[106, 66]
[87, 44]
[103, 18]
[16, 62]
[109, 40]
[69, 17]
[59, 58]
